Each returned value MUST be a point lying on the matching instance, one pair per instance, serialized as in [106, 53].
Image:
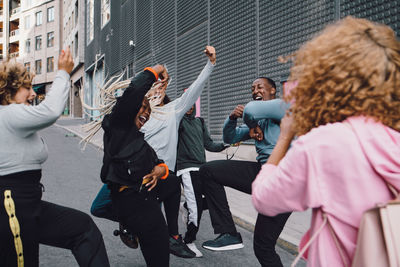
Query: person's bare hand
[237, 112]
[162, 72]
[256, 133]
[210, 52]
[65, 61]
[152, 178]
[287, 131]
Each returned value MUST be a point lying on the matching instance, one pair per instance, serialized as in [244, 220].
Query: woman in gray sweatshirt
[25, 219]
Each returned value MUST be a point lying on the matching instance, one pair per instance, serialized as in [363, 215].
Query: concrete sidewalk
[240, 203]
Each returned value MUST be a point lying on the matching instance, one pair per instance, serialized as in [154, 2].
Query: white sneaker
[193, 248]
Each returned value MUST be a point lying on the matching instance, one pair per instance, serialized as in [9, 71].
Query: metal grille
[143, 28]
[383, 11]
[190, 14]
[249, 36]
[164, 39]
[284, 26]
[235, 43]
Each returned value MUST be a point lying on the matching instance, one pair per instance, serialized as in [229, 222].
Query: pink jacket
[337, 169]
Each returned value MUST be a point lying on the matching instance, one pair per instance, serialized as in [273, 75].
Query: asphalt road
[71, 178]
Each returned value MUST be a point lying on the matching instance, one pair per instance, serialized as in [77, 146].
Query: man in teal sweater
[193, 140]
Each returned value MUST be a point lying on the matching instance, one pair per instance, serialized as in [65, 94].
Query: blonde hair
[13, 75]
[352, 68]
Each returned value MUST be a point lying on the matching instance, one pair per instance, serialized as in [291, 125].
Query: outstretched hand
[162, 74]
[150, 180]
[65, 61]
[210, 52]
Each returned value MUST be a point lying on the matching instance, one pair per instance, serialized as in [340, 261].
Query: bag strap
[337, 243]
[307, 245]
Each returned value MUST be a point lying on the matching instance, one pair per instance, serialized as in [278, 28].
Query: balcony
[14, 32]
[15, 54]
[15, 10]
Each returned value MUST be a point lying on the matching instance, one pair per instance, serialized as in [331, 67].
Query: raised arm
[25, 120]
[129, 103]
[258, 110]
[189, 97]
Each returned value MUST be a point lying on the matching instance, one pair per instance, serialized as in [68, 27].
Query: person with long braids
[25, 219]
[345, 110]
[161, 132]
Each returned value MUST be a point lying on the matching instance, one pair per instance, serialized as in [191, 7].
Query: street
[71, 178]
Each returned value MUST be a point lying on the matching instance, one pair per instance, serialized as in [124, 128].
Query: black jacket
[193, 140]
[127, 156]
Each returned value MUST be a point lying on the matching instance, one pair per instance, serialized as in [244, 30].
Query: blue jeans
[102, 205]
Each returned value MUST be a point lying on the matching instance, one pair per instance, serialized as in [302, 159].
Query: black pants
[45, 223]
[140, 213]
[240, 175]
[168, 192]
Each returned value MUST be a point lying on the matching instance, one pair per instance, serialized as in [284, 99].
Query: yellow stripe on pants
[14, 225]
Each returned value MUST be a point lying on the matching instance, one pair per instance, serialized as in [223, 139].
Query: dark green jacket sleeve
[209, 144]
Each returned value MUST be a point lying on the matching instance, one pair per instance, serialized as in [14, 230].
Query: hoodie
[338, 168]
[193, 140]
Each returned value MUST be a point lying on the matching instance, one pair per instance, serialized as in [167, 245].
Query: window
[50, 14]
[89, 20]
[38, 42]
[28, 66]
[28, 45]
[27, 22]
[39, 18]
[50, 39]
[50, 64]
[76, 45]
[76, 12]
[105, 12]
[38, 66]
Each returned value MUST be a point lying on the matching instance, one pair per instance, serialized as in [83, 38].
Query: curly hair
[13, 75]
[352, 68]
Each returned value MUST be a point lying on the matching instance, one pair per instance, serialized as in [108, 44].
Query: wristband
[167, 171]
[152, 71]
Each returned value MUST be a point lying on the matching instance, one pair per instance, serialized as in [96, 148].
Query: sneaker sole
[230, 247]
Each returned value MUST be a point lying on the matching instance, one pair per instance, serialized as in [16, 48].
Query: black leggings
[45, 223]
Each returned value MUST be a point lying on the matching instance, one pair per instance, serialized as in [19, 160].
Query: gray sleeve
[25, 120]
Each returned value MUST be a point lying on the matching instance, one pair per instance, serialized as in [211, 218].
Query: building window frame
[38, 66]
[38, 18]
[50, 39]
[38, 42]
[28, 45]
[50, 14]
[50, 64]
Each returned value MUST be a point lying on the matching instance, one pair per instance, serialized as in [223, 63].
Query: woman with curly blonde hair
[346, 111]
[25, 219]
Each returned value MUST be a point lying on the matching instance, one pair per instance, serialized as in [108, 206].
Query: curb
[286, 245]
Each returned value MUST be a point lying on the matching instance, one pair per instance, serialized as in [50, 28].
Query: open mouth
[142, 119]
[257, 98]
[30, 102]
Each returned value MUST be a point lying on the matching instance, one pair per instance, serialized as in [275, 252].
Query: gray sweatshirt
[161, 131]
[21, 148]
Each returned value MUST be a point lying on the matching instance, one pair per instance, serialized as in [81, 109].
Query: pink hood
[381, 146]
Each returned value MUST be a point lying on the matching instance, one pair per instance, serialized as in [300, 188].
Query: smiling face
[262, 90]
[24, 95]
[143, 115]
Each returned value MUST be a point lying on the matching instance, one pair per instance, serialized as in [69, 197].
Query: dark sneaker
[179, 249]
[224, 242]
[127, 238]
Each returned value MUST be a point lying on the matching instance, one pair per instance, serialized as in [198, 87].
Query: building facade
[249, 36]
[73, 33]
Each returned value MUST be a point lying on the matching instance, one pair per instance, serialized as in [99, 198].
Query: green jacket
[193, 140]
